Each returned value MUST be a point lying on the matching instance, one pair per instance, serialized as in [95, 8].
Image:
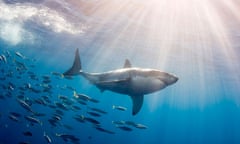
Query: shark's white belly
[145, 85]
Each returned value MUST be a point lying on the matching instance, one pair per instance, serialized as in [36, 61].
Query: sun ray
[189, 37]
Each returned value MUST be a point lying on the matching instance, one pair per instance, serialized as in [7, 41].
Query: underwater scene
[114, 72]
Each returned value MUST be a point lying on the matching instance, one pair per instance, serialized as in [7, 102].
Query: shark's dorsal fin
[137, 103]
[127, 64]
[76, 67]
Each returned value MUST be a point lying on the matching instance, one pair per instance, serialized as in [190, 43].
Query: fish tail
[113, 107]
[76, 67]
[82, 117]
[75, 94]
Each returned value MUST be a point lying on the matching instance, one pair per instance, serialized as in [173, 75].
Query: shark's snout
[174, 79]
[171, 79]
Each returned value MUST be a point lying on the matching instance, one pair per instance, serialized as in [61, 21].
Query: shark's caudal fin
[76, 67]
[137, 103]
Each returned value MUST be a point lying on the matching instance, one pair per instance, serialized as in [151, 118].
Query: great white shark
[132, 81]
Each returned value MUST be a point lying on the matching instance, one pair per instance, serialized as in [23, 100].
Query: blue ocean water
[198, 43]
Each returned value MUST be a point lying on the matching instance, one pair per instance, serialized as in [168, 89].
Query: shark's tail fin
[76, 67]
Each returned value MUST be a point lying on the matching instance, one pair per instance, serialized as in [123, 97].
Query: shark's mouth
[165, 82]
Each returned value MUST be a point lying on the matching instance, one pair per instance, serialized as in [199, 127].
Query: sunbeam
[120, 71]
[189, 37]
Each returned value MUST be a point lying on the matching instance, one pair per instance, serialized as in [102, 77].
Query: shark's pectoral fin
[137, 103]
[127, 64]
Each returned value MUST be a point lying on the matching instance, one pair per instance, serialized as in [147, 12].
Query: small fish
[46, 81]
[39, 114]
[68, 127]
[46, 98]
[28, 101]
[104, 130]
[76, 107]
[56, 117]
[68, 102]
[94, 114]
[79, 119]
[8, 94]
[27, 133]
[94, 100]
[14, 118]
[20, 65]
[67, 137]
[46, 86]
[61, 106]
[24, 143]
[28, 86]
[91, 120]
[21, 97]
[141, 126]
[56, 73]
[30, 73]
[33, 120]
[22, 88]
[19, 55]
[52, 122]
[121, 108]
[7, 53]
[59, 112]
[81, 96]
[25, 105]
[47, 77]
[15, 114]
[10, 87]
[40, 101]
[3, 58]
[124, 128]
[35, 90]
[81, 102]
[33, 77]
[52, 106]
[48, 139]
[62, 97]
[98, 110]
[131, 123]
[118, 122]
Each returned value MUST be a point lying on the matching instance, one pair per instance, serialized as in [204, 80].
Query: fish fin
[76, 67]
[137, 103]
[127, 64]
[75, 94]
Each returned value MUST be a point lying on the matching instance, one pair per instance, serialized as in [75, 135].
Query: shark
[132, 81]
